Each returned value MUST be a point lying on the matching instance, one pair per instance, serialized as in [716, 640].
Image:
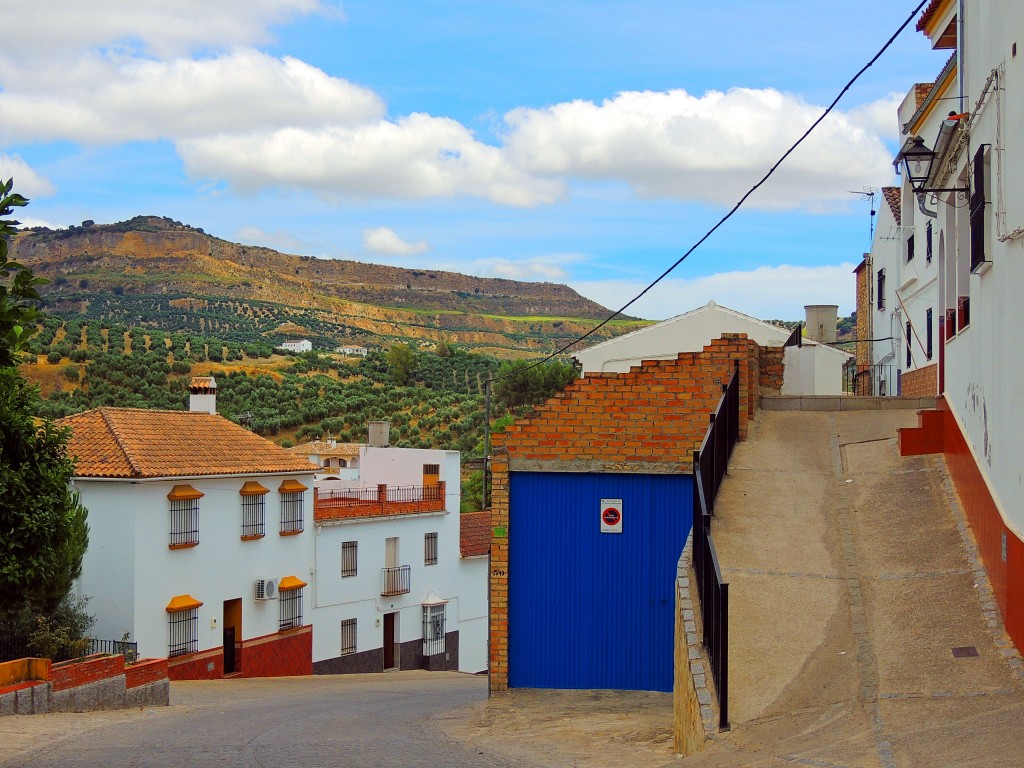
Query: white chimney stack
[821, 322]
[202, 392]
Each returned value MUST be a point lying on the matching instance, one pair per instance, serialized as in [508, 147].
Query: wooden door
[389, 641]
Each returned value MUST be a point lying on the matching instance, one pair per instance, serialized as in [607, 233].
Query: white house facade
[296, 345]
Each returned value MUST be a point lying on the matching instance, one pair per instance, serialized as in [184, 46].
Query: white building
[296, 345]
[393, 588]
[352, 351]
[811, 369]
[187, 511]
[977, 218]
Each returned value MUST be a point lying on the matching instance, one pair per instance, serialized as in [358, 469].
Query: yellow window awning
[291, 486]
[252, 488]
[182, 603]
[291, 582]
[184, 492]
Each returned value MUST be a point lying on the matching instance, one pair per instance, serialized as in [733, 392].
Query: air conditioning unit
[266, 589]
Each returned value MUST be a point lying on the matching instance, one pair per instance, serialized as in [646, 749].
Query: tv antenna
[868, 193]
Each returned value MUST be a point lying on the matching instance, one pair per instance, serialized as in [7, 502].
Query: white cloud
[48, 29]
[880, 117]
[27, 222]
[386, 241]
[416, 157]
[770, 293]
[103, 100]
[710, 148]
[279, 240]
[549, 267]
[27, 182]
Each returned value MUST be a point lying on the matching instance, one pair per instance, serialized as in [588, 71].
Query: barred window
[184, 632]
[430, 549]
[253, 508]
[349, 558]
[291, 512]
[291, 609]
[928, 333]
[348, 637]
[433, 629]
[184, 522]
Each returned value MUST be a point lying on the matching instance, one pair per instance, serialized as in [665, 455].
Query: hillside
[161, 273]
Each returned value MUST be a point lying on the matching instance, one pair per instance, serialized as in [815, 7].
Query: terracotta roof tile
[133, 442]
[324, 448]
[892, 197]
[475, 533]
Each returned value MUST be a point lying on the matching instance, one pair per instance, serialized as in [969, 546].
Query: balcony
[382, 501]
[396, 581]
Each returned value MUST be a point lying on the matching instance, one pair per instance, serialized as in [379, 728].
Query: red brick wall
[278, 655]
[193, 666]
[145, 672]
[920, 383]
[658, 413]
[92, 669]
[863, 273]
[771, 372]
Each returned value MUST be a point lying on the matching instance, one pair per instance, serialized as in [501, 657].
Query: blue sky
[588, 143]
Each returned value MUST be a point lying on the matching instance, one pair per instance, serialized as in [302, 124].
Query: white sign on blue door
[611, 515]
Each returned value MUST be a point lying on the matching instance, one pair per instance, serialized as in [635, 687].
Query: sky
[587, 143]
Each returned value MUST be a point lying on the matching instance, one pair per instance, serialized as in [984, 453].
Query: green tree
[401, 363]
[19, 294]
[522, 383]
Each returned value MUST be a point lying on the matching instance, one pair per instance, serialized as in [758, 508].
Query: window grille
[433, 629]
[349, 558]
[184, 522]
[928, 243]
[348, 637]
[910, 330]
[910, 248]
[184, 632]
[291, 609]
[978, 202]
[928, 333]
[881, 289]
[430, 549]
[291, 512]
[253, 508]
[431, 470]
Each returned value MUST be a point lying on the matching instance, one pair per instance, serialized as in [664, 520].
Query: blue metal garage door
[589, 609]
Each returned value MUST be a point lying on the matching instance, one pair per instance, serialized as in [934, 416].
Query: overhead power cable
[732, 210]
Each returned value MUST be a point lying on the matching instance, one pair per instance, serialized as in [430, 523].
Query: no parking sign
[611, 515]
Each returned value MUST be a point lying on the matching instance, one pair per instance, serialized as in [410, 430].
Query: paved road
[358, 720]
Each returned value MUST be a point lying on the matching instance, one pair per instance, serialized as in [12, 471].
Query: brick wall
[91, 670]
[205, 665]
[145, 672]
[648, 420]
[278, 655]
[771, 369]
[923, 382]
[863, 273]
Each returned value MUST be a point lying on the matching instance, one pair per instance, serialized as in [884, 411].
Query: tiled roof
[892, 197]
[475, 533]
[133, 442]
[324, 448]
[926, 16]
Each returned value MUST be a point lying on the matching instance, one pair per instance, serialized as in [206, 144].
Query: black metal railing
[126, 648]
[871, 380]
[12, 648]
[709, 467]
[396, 580]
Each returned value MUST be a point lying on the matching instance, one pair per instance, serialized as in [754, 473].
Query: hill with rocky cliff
[155, 271]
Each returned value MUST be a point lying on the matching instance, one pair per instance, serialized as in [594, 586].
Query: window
[291, 608]
[928, 333]
[928, 243]
[349, 558]
[292, 495]
[978, 201]
[430, 549]
[348, 637]
[433, 629]
[881, 289]
[431, 471]
[184, 508]
[909, 359]
[253, 510]
[183, 625]
[910, 248]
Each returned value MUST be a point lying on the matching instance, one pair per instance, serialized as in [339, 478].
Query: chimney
[202, 391]
[821, 322]
[380, 434]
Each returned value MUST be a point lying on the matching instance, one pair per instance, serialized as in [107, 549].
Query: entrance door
[232, 624]
[390, 637]
[229, 650]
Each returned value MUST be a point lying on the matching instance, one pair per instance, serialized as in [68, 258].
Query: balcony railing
[382, 500]
[396, 580]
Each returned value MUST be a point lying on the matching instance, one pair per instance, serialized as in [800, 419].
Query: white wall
[131, 583]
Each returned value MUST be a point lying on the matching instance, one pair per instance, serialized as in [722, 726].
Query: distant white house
[296, 345]
[812, 369]
[352, 351]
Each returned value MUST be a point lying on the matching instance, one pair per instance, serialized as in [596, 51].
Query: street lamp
[917, 165]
